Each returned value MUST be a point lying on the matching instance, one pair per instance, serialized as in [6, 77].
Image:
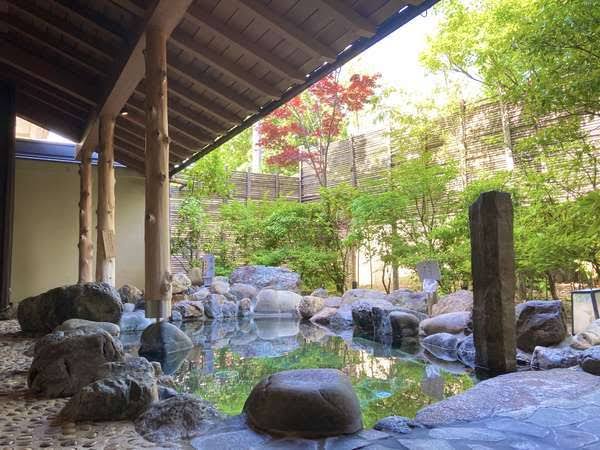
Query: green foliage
[191, 228]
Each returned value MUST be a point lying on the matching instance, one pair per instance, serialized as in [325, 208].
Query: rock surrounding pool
[230, 357]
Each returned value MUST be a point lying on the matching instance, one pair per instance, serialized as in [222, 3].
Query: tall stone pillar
[493, 269]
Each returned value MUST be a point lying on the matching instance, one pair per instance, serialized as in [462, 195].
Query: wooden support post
[493, 268]
[86, 246]
[156, 238]
[7, 189]
[105, 239]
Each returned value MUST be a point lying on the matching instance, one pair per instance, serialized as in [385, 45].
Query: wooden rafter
[200, 79]
[289, 30]
[138, 139]
[344, 12]
[130, 6]
[202, 103]
[127, 161]
[204, 19]
[41, 69]
[186, 43]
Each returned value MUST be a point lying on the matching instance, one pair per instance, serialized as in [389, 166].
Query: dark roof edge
[402, 17]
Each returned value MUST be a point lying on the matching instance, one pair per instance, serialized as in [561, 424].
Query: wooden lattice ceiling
[229, 62]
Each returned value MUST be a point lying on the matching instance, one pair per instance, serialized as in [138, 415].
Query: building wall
[46, 227]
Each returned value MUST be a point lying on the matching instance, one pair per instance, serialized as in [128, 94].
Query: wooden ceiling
[230, 62]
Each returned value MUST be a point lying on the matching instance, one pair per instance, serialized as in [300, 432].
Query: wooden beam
[156, 231]
[105, 237]
[197, 78]
[131, 141]
[289, 31]
[130, 163]
[130, 6]
[204, 19]
[344, 12]
[202, 103]
[85, 243]
[7, 189]
[31, 9]
[192, 116]
[186, 43]
[128, 68]
[51, 74]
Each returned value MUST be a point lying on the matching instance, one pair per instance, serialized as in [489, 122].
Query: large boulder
[267, 277]
[588, 337]
[309, 306]
[122, 391]
[130, 294]
[134, 321]
[353, 295]
[333, 302]
[540, 322]
[98, 302]
[545, 358]
[452, 323]
[212, 306]
[404, 325]
[466, 351]
[196, 276]
[341, 319]
[406, 298]
[182, 416]
[443, 346]
[219, 287]
[368, 322]
[320, 292]
[64, 362]
[275, 302]
[180, 283]
[245, 308]
[199, 294]
[323, 316]
[162, 338]
[241, 291]
[309, 403]
[590, 360]
[73, 324]
[189, 310]
[457, 301]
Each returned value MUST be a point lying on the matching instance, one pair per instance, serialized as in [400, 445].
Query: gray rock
[199, 294]
[134, 321]
[341, 319]
[443, 346]
[588, 337]
[466, 352]
[267, 277]
[175, 316]
[212, 306]
[245, 307]
[320, 292]
[511, 392]
[130, 294]
[273, 302]
[162, 338]
[189, 310]
[196, 276]
[540, 322]
[457, 301]
[73, 324]
[333, 302]
[363, 317]
[124, 390]
[310, 403]
[64, 362]
[128, 307]
[229, 309]
[403, 325]
[98, 302]
[406, 298]
[353, 295]
[545, 358]
[452, 323]
[394, 424]
[241, 291]
[323, 316]
[219, 287]
[590, 360]
[183, 416]
[165, 392]
[180, 283]
[309, 306]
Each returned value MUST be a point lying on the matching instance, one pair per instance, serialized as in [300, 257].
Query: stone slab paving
[570, 419]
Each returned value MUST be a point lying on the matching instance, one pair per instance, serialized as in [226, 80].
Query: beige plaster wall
[46, 227]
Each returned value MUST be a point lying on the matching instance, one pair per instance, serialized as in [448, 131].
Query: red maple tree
[303, 128]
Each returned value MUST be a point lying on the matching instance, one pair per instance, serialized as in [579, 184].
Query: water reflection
[230, 357]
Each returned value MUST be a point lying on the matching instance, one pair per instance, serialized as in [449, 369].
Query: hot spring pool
[230, 357]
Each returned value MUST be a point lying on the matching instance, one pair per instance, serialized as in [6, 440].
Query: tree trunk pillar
[493, 269]
[105, 239]
[7, 189]
[157, 245]
[86, 245]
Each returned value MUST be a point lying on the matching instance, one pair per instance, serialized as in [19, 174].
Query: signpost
[430, 275]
